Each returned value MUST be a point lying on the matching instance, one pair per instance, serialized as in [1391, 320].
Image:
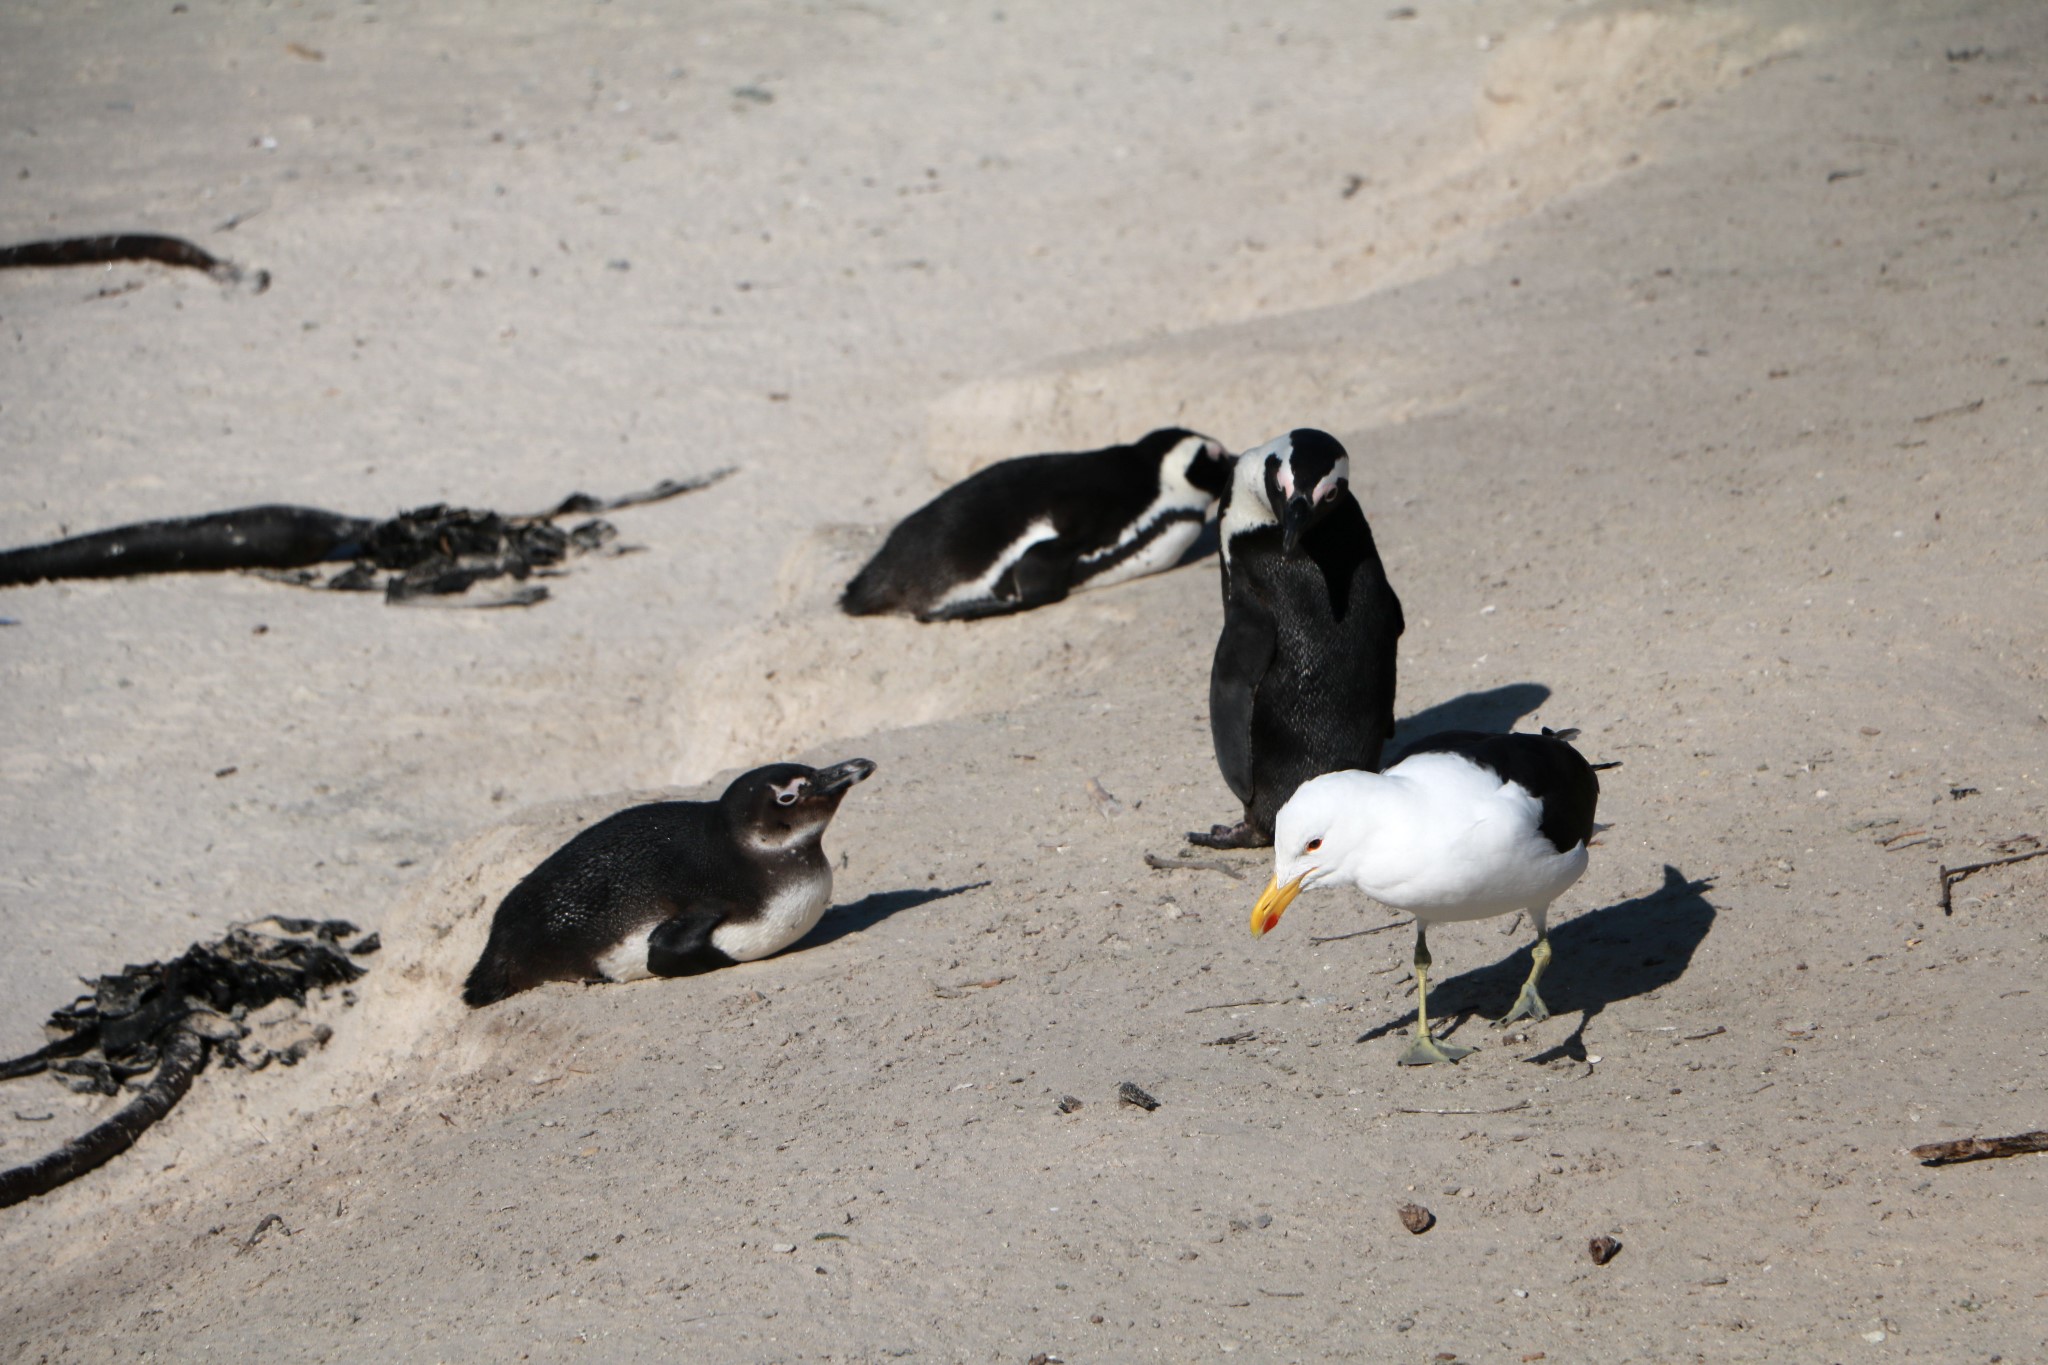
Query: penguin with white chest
[1026, 532]
[673, 888]
[1303, 678]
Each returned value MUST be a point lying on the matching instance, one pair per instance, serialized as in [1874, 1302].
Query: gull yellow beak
[1273, 903]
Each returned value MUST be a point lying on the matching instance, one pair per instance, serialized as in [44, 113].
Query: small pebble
[783, 1247]
[1416, 1218]
[1602, 1249]
[1129, 1093]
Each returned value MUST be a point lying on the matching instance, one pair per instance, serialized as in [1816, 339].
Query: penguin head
[1192, 467]
[1306, 474]
[1200, 462]
[788, 804]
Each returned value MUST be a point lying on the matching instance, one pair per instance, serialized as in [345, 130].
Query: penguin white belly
[1161, 552]
[789, 914]
[627, 961]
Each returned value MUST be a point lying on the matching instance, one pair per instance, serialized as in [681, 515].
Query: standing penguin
[673, 888]
[1303, 680]
[1025, 532]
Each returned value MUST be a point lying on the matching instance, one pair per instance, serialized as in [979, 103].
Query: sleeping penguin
[1303, 679]
[673, 888]
[1028, 531]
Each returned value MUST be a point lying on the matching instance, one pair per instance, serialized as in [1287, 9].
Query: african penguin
[1027, 531]
[1303, 678]
[673, 888]
[1466, 826]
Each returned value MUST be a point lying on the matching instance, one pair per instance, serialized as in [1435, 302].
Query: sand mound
[1564, 105]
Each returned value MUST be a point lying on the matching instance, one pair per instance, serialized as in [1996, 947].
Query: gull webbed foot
[1425, 1051]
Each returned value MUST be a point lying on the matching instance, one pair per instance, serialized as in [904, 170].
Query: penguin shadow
[872, 909]
[1604, 956]
[1493, 711]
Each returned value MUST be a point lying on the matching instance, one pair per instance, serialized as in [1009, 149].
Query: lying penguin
[1303, 679]
[1028, 531]
[673, 888]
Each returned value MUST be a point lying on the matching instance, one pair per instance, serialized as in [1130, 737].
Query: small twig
[1714, 1032]
[270, 1220]
[1509, 1109]
[1232, 1005]
[1358, 933]
[1959, 410]
[1285, 1293]
[1159, 864]
[1902, 834]
[1980, 1149]
[1951, 875]
[1104, 802]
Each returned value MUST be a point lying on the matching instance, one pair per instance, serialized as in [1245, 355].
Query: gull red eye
[1312, 845]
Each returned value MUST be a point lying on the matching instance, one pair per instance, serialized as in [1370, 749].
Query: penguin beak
[1273, 903]
[837, 778]
[1294, 522]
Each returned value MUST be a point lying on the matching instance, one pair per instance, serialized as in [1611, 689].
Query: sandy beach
[1693, 363]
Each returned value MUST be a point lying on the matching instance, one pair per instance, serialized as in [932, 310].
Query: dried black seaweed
[432, 551]
[107, 248]
[165, 1021]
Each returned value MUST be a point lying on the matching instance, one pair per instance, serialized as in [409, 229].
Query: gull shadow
[872, 909]
[1606, 955]
[1493, 711]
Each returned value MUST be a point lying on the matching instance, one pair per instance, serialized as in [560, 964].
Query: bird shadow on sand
[872, 909]
[1606, 955]
[1493, 711]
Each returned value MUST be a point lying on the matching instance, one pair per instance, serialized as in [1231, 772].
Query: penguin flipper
[681, 945]
[1244, 651]
[1041, 576]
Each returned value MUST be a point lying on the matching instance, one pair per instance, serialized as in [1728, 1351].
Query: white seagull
[1465, 826]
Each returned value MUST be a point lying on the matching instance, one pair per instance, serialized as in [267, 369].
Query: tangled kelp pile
[430, 552]
[166, 1020]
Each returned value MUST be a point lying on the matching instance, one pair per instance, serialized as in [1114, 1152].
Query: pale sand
[1693, 362]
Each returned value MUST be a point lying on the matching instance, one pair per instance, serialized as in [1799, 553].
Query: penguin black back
[1025, 532]
[672, 888]
[1303, 677]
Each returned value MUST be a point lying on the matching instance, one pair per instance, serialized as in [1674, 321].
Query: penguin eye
[787, 798]
[1312, 845]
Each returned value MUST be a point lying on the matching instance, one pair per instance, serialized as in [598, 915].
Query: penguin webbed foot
[1239, 835]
